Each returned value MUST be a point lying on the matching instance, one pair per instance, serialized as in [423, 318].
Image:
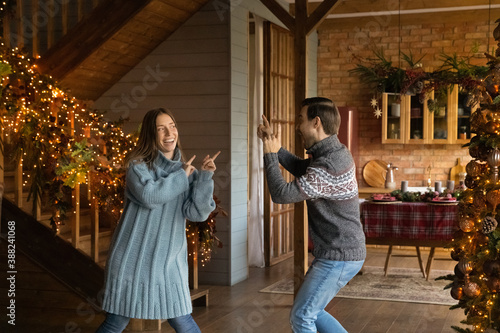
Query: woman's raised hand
[208, 163]
[188, 168]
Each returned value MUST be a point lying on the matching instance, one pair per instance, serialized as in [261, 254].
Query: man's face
[305, 128]
[167, 135]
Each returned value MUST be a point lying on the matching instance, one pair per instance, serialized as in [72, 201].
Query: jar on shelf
[462, 132]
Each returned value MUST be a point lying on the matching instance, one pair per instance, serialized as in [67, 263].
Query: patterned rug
[401, 284]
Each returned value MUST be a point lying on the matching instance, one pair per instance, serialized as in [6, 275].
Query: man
[327, 181]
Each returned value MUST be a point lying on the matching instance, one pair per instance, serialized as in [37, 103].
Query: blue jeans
[116, 324]
[322, 282]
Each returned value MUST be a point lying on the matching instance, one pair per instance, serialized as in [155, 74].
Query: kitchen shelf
[416, 125]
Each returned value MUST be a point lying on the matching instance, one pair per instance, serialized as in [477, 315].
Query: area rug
[401, 285]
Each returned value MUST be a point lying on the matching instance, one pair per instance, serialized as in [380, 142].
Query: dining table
[418, 224]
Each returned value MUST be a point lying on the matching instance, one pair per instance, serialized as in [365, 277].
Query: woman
[147, 270]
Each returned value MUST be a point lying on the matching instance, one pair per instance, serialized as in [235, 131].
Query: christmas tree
[476, 245]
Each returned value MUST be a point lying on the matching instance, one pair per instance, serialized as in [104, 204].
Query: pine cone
[489, 224]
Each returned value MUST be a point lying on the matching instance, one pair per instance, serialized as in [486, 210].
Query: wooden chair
[418, 255]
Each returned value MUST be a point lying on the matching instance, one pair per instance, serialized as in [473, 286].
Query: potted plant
[382, 76]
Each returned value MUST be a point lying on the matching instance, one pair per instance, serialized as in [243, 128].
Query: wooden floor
[241, 308]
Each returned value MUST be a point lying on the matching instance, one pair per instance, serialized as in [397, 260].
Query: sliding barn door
[279, 107]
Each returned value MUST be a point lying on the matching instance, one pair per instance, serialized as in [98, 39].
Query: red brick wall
[338, 47]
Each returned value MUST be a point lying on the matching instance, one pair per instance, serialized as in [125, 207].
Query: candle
[404, 186]
[450, 185]
[437, 186]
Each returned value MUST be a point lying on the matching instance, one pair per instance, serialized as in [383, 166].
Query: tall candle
[437, 186]
[404, 186]
[450, 185]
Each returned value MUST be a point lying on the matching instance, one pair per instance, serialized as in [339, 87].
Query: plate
[385, 201]
[444, 202]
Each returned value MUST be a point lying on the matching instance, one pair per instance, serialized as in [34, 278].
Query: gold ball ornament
[465, 266]
[471, 289]
[493, 198]
[474, 151]
[457, 292]
[467, 225]
[473, 168]
[491, 127]
[470, 182]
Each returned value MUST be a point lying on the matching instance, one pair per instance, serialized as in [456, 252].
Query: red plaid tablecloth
[409, 220]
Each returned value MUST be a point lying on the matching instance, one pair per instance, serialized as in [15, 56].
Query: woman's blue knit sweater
[147, 269]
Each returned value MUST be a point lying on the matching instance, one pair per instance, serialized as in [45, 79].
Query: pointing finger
[215, 156]
[266, 122]
[191, 160]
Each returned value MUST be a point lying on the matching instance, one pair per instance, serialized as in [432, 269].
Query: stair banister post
[94, 222]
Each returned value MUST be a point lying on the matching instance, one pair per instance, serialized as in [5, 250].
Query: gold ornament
[471, 289]
[457, 292]
[467, 225]
[473, 168]
[465, 266]
[493, 198]
[491, 127]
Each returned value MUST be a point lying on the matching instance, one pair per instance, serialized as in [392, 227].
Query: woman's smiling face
[166, 134]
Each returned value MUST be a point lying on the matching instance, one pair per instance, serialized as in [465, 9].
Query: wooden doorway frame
[278, 101]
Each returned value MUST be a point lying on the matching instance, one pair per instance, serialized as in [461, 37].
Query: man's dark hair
[327, 112]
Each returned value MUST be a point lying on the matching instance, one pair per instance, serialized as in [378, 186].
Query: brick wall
[339, 44]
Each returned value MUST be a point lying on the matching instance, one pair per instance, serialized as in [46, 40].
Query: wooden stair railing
[37, 25]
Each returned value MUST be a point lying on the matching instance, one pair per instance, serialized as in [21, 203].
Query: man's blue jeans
[116, 324]
[322, 282]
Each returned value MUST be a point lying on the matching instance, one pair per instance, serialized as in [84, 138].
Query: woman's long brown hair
[146, 149]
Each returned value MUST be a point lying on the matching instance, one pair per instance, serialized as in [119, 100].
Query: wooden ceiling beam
[280, 13]
[319, 14]
[88, 35]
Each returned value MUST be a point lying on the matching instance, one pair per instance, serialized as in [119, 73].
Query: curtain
[256, 159]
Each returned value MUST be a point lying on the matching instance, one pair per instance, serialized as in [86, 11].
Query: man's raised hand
[264, 130]
[272, 143]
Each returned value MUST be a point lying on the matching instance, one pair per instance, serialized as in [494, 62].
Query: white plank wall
[239, 143]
